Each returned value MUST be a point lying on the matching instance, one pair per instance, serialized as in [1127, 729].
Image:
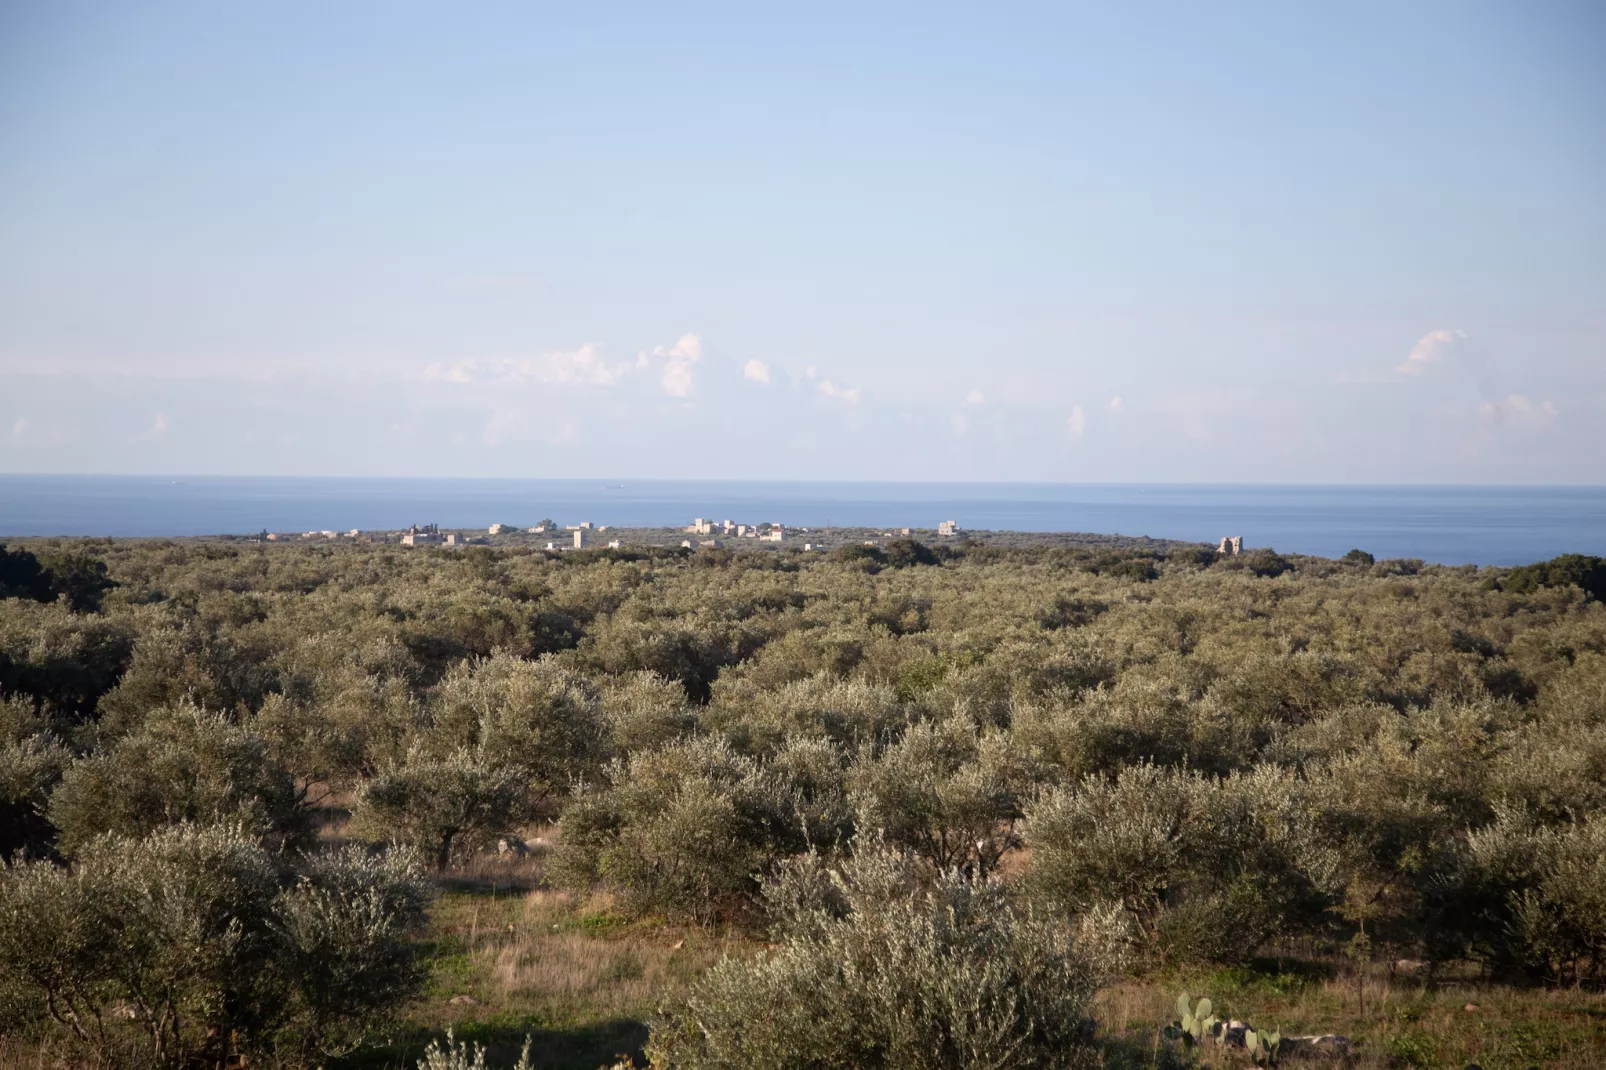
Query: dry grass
[1449, 1022]
[583, 982]
[510, 958]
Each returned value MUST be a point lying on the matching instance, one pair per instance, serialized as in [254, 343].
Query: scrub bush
[876, 969]
[196, 944]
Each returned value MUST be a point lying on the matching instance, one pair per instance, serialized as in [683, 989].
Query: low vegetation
[959, 805]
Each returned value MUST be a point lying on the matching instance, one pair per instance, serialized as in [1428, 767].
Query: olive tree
[184, 764]
[447, 807]
[948, 791]
[876, 969]
[196, 943]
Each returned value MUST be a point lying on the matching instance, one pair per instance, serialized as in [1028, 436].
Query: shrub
[345, 927]
[198, 944]
[183, 765]
[31, 763]
[1206, 868]
[686, 829]
[467, 1056]
[1536, 896]
[876, 971]
[1577, 570]
[448, 807]
[22, 576]
[948, 792]
[79, 578]
[868, 558]
[644, 710]
[902, 553]
[533, 716]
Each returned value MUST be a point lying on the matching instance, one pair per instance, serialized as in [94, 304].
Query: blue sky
[1169, 242]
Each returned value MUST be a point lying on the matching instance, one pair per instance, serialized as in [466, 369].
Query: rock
[511, 846]
[678, 945]
[464, 1001]
[1408, 966]
[1470, 1008]
[1330, 1044]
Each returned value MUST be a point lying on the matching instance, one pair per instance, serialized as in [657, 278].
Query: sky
[1237, 242]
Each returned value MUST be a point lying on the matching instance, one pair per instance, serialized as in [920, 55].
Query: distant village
[708, 535]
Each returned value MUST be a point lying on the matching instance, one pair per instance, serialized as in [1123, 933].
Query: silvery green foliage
[446, 807]
[684, 830]
[1107, 939]
[1544, 892]
[1203, 867]
[534, 716]
[759, 705]
[948, 791]
[875, 969]
[465, 1056]
[345, 929]
[183, 764]
[31, 762]
[1123, 840]
[643, 709]
[195, 943]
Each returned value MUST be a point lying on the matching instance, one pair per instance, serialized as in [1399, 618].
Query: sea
[1482, 525]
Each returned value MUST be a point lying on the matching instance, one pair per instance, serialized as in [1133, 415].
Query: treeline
[1094, 761]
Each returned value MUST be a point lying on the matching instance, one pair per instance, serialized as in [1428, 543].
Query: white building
[776, 533]
[948, 527]
[613, 544]
[580, 537]
[496, 529]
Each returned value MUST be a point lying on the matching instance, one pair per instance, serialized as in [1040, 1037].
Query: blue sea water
[1444, 524]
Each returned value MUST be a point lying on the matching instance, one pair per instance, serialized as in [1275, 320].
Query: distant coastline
[1452, 524]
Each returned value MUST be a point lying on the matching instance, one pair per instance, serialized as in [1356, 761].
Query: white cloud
[678, 361]
[160, 426]
[850, 395]
[974, 398]
[1518, 411]
[811, 371]
[1432, 350]
[757, 371]
[585, 366]
[1117, 405]
[19, 428]
[961, 424]
[1076, 422]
